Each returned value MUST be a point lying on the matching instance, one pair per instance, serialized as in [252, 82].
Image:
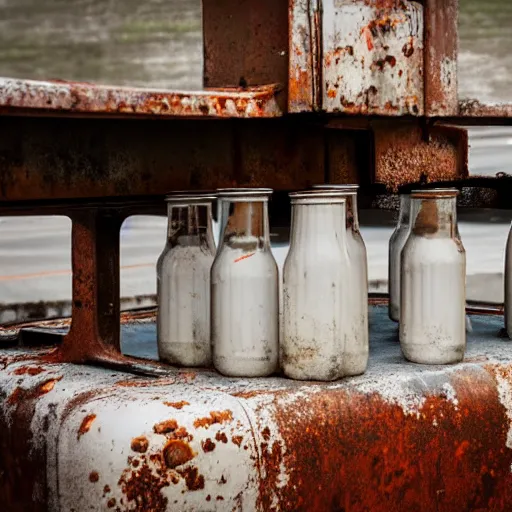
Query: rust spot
[177, 405]
[165, 427]
[221, 437]
[94, 476]
[144, 489]
[48, 386]
[208, 445]
[222, 480]
[237, 440]
[266, 433]
[106, 489]
[208, 498]
[461, 449]
[408, 48]
[331, 93]
[215, 417]
[176, 453]
[19, 395]
[139, 444]
[193, 479]
[111, 503]
[29, 370]
[86, 425]
[220, 498]
[181, 433]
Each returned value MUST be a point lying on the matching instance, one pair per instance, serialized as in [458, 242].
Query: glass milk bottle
[355, 362]
[433, 281]
[396, 244]
[244, 281]
[316, 288]
[183, 281]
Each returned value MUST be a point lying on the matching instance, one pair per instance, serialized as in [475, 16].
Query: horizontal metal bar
[76, 98]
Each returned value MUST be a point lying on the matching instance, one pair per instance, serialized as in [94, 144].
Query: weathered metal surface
[480, 111]
[55, 97]
[246, 43]
[441, 51]
[372, 57]
[401, 437]
[61, 158]
[406, 154]
[95, 329]
[304, 82]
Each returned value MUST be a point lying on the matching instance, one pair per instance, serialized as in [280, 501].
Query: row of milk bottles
[227, 306]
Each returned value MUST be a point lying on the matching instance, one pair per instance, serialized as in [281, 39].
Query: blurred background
[158, 44]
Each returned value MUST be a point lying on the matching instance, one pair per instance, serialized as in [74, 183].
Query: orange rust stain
[181, 433]
[86, 425]
[221, 437]
[143, 489]
[208, 445]
[461, 449]
[244, 257]
[193, 479]
[47, 386]
[111, 503]
[165, 427]
[19, 395]
[177, 405]
[331, 93]
[237, 440]
[215, 417]
[177, 452]
[29, 370]
[367, 33]
[94, 476]
[410, 458]
[139, 444]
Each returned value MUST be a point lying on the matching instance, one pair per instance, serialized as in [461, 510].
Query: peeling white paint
[505, 395]
[373, 58]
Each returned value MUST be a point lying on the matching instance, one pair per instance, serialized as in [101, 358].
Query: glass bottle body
[396, 244]
[356, 353]
[433, 282]
[317, 320]
[244, 286]
[183, 283]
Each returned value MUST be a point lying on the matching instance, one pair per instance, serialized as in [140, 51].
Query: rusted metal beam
[75, 98]
[95, 328]
[57, 159]
[412, 153]
[441, 52]
[246, 43]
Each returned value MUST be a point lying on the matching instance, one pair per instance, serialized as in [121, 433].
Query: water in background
[158, 43]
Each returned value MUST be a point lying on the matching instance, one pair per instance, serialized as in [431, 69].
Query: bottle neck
[311, 222]
[246, 224]
[189, 224]
[436, 217]
[404, 216]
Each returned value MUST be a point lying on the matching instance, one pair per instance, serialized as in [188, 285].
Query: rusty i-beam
[296, 93]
